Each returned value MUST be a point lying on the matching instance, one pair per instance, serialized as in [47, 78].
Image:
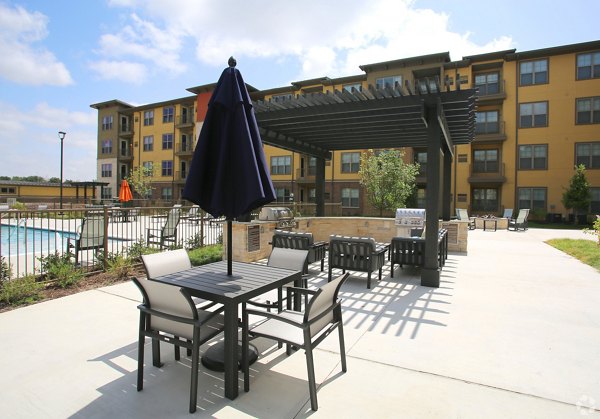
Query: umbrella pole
[229, 246]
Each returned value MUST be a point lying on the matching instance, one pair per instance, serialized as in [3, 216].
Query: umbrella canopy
[125, 192]
[229, 174]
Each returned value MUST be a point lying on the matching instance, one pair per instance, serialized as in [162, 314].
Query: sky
[61, 56]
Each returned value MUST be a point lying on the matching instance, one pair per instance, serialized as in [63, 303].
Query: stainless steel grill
[284, 216]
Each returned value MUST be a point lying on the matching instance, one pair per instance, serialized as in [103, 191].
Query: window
[487, 122]
[533, 157]
[148, 168]
[461, 197]
[107, 123]
[148, 118]
[167, 167]
[106, 146]
[487, 84]
[8, 190]
[281, 165]
[350, 198]
[485, 161]
[595, 205]
[390, 81]
[167, 141]
[148, 143]
[350, 162]
[312, 195]
[533, 114]
[421, 158]
[485, 199]
[534, 72]
[462, 158]
[280, 98]
[106, 170]
[168, 114]
[532, 198]
[166, 193]
[312, 166]
[349, 87]
[427, 85]
[106, 192]
[588, 110]
[421, 197]
[588, 154]
[282, 194]
[588, 66]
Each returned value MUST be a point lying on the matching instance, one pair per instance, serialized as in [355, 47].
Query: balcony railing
[486, 171]
[181, 175]
[185, 121]
[184, 149]
[490, 131]
[125, 129]
[489, 92]
[125, 154]
[306, 174]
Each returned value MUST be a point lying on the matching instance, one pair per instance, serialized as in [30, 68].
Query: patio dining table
[212, 283]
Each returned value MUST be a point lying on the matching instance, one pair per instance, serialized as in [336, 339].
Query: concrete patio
[513, 332]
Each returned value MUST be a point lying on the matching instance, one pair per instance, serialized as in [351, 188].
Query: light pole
[61, 135]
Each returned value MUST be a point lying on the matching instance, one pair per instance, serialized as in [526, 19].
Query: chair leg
[195, 360]
[369, 281]
[245, 361]
[141, 342]
[380, 269]
[392, 270]
[176, 349]
[329, 274]
[342, 346]
[156, 353]
[322, 264]
[312, 386]
[188, 351]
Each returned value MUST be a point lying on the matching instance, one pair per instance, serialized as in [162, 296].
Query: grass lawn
[586, 251]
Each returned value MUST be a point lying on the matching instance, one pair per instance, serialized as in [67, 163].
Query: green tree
[140, 181]
[54, 180]
[578, 196]
[387, 180]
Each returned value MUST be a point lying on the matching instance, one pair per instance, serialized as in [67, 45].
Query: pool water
[21, 240]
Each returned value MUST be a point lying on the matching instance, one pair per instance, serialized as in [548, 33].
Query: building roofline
[562, 49]
[110, 103]
[407, 62]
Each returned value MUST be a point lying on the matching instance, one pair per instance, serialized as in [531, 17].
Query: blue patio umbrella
[228, 175]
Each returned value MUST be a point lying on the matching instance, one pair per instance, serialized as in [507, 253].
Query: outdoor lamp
[61, 135]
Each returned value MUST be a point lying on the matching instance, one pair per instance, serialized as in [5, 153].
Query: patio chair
[508, 213]
[322, 315]
[519, 223]
[171, 261]
[192, 214]
[302, 241]
[356, 254]
[294, 259]
[167, 234]
[463, 215]
[411, 251]
[90, 236]
[169, 314]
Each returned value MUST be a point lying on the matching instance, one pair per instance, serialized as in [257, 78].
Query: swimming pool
[18, 240]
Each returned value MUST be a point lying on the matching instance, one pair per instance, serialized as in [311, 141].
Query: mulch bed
[90, 282]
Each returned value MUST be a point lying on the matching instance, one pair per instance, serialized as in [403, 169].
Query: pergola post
[430, 273]
[447, 186]
[320, 186]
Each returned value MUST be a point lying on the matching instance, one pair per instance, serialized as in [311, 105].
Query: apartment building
[538, 116]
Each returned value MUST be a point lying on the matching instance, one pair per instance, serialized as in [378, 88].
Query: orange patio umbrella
[125, 192]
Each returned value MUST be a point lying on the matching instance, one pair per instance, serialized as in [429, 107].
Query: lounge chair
[90, 236]
[301, 241]
[169, 314]
[508, 213]
[463, 215]
[167, 234]
[356, 254]
[305, 330]
[519, 223]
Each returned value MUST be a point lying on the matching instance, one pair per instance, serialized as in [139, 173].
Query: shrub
[206, 254]
[120, 266]
[139, 248]
[5, 271]
[194, 242]
[596, 229]
[59, 268]
[20, 290]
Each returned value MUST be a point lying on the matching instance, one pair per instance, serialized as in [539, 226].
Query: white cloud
[129, 72]
[33, 147]
[328, 38]
[28, 64]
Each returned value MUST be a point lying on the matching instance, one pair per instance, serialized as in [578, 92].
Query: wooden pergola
[424, 115]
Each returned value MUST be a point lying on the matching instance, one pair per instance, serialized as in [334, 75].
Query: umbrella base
[213, 358]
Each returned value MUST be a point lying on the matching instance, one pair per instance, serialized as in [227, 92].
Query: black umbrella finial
[232, 62]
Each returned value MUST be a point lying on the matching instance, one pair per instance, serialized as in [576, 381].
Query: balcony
[125, 154]
[184, 149]
[306, 175]
[486, 172]
[490, 132]
[184, 121]
[180, 176]
[491, 93]
[125, 129]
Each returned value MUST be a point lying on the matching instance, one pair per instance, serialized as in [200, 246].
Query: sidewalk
[513, 332]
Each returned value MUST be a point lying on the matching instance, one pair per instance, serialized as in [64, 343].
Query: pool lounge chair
[167, 234]
[90, 236]
[519, 223]
[463, 215]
